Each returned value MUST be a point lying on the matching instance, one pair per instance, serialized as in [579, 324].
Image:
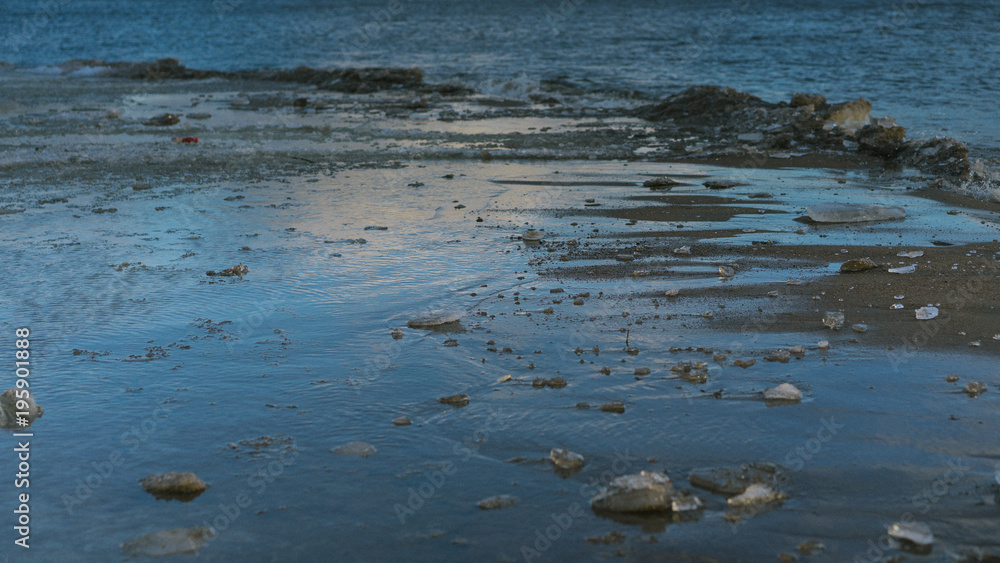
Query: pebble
[497, 502]
[614, 406]
[9, 408]
[396, 334]
[642, 492]
[744, 363]
[553, 383]
[565, 459]
[184, 487]
[434, 318]
[642, 371]
[625, 257]
[783, 392]
[858, 265]
[402, 421]
[975, 388]
[355, 449]
[674, 293]
[459, 400]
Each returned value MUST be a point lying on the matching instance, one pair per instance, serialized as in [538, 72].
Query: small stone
[459, 400]
[434, 318]
[783, 392]
[396, 334]
[642, 371]
[674, 292]
[451, 343]
[772, 293]
[659, 183]
[625, 258]
[184, 487]
[614, 406]
[498, 502]
[779, 356]
[9, 409]
[708, 314]
[722, 184]
[975, 388]
[643, 492]
[858, 265]
[683, 250]
[164, 120]
[355, 449]
[565, 459]
[744, 363]
[402, 421]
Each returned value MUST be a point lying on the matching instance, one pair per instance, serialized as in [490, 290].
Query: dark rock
[164, 120]
[815, 100]
[700, 104]
[184, 487]
[883, 138]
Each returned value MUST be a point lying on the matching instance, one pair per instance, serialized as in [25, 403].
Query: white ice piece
[853, 212]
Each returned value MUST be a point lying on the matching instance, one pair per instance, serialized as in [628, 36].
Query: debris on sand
[926, 313]
[14, 401]
[434, 318]
[643, 492]
[184, 487]
[459, 400]
[758, 493]
[355, 449]
[853, 212]
[168, 542]
[565, 459]
[498, 502]
[912, 534]
[238, 271]
[784, 392]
